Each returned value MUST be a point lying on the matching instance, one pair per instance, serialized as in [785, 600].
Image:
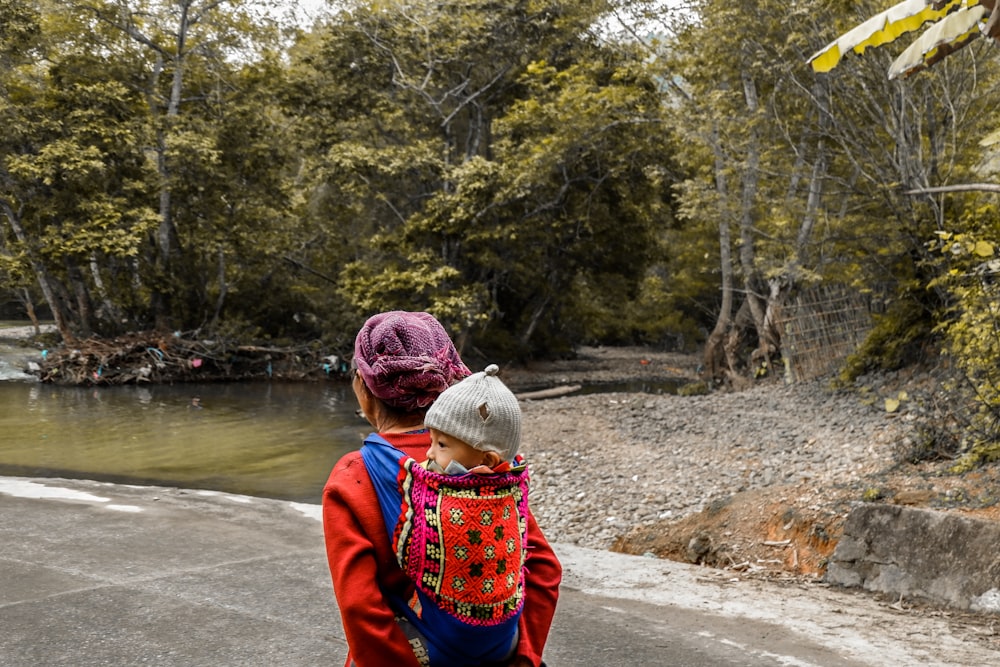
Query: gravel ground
[653, 474]
[757, 483]
[605, 463]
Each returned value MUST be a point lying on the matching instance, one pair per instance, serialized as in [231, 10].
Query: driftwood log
[552, 392]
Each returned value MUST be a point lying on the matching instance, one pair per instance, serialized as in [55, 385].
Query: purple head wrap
[407, 359]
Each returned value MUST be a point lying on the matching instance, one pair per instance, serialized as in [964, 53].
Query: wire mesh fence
[820, 327]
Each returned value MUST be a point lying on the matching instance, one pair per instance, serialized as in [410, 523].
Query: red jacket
[362, 565]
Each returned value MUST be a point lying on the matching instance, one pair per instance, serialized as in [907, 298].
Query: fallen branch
[548, 393]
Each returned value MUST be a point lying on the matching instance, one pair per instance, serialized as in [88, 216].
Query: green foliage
[972, 329]
[534, 183]
[805, 177]
[896, 339]
[148, 202]
[663, 314]
[422, 284]
[511, 183]
[873, 494]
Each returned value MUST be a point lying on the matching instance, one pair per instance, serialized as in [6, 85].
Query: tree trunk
[714, 365]
[166, 238]
[529, 331]
[771, 333]
[24, 296]
[752, 280]
[108, 310]
[63, 322]
[821, 93]
[167, 233]
[84, 304]
[223, 289]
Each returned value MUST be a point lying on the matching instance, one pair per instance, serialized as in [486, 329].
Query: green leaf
[983, 249]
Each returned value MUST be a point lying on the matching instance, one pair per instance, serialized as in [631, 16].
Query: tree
[501, 160]
[964, 271]
[193, 48]
[69, 182]
[140, 201]
[806, 168]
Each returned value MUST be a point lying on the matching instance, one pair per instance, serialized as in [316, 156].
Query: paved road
[103, 574]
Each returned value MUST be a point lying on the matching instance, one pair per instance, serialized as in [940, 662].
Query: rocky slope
[758, 480]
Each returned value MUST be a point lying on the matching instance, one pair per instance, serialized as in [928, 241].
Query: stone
[940, 557]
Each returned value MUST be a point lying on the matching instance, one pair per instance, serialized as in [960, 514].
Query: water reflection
[267, 439]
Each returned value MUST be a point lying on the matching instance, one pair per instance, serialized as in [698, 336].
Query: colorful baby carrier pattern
[461, 539]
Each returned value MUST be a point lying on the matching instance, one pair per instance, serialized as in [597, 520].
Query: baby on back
[475, 426]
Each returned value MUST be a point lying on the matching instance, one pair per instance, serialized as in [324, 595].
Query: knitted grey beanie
[481, 411]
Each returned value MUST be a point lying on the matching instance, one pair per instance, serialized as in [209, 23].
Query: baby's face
[445, 448]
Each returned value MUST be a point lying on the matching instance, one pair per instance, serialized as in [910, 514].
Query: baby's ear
[491, 459]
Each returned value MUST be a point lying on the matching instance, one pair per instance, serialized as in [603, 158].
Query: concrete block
[940, 557]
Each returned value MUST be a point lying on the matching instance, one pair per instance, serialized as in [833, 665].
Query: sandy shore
[12, 334]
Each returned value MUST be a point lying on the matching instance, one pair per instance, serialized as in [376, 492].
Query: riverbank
[758, 481]
[157, 357]
[19, 333]
[755, 484]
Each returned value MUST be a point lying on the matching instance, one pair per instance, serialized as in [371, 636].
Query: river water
[277, 440]
[271, 439]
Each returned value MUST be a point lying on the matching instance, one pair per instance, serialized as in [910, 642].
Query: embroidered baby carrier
[461, 539]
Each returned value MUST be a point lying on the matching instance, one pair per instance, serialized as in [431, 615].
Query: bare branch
[965, 187]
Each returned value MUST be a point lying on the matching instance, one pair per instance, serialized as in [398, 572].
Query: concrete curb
[939, 557]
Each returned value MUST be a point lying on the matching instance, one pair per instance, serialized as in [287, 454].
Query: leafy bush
[972, 332]
[892, 343]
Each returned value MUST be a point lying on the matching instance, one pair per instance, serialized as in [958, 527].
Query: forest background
[539, 174]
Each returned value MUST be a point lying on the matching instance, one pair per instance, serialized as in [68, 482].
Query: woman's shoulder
[349, 458]
[350, 469]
